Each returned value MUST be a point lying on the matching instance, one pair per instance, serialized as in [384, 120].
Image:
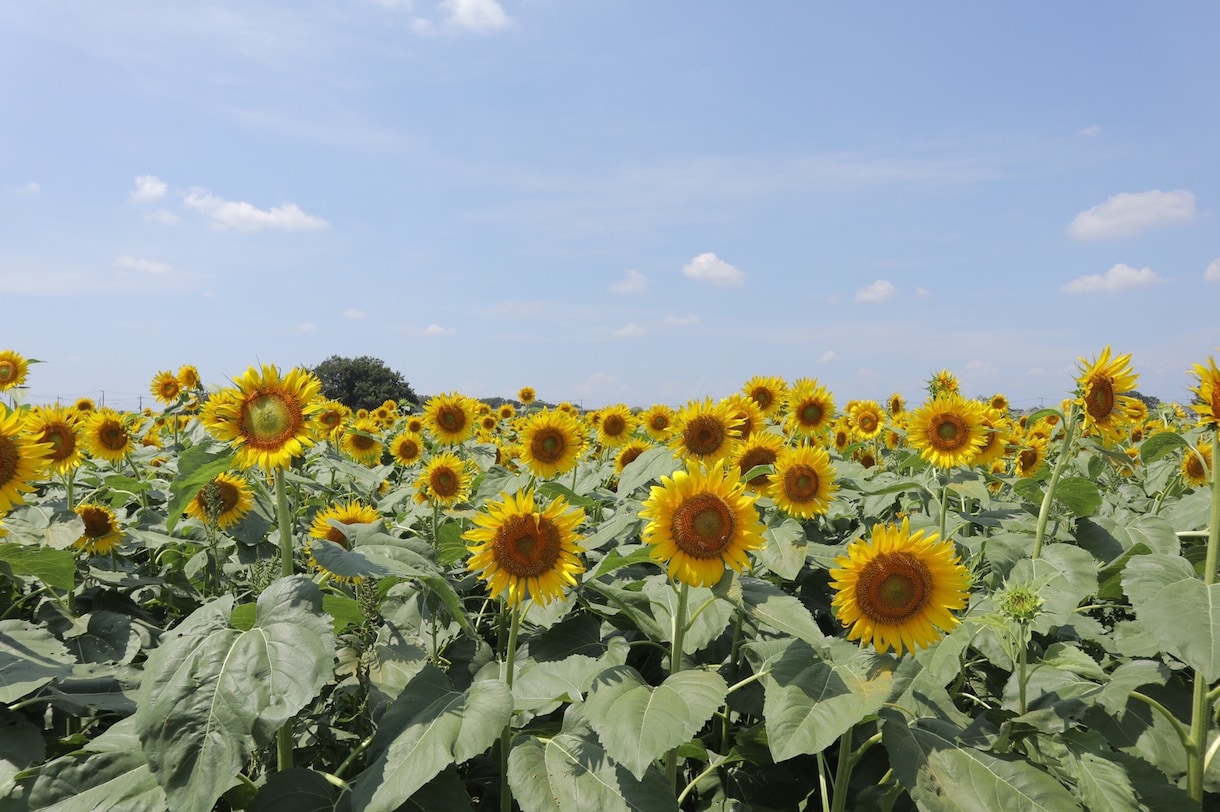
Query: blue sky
[612, 202]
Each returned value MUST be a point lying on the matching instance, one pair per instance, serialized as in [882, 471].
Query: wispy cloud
[1132, 213]
[714, 270]
[632, 282]
[828, 355]
[353, 313]
[306, 327]
[437, 330]
[682, 321]
[142, 265]
[1120, 277]
[630, 330]
[1091, 131]
[243, 216]
[163, 216]
[879, 291]
[481, 16]
[148, 189]
[1212, 274]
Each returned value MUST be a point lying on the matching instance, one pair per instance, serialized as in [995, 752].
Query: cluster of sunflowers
[773, 441]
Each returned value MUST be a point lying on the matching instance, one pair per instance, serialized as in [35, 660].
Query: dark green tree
[363, 383]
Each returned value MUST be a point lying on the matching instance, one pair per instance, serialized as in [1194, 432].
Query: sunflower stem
[675, 665]
[1201, 706]
[506, 735]
[1065, 453]
[842, 773]
[283, 737]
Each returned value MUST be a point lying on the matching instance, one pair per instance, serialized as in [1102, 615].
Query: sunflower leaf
[1181, 611]
[197, 466]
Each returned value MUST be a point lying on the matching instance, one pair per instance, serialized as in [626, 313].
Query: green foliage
[363, 383]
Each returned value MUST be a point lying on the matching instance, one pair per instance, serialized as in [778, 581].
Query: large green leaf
[778, 610]
[941, 773]
[638, 723]
[109, 775]
[197, 466]
[212, 693]
[1180, 610]
[1078, 494]
[55, 568]
[707, 616]
[30, 657]
[648, 467]
[1160, 444]
[427, 728]
[570, 772]
[786, 549]
[812, 697]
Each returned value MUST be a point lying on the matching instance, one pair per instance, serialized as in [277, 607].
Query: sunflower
[810, 409]
[56, 426]
[842, 433]
[166, 387]
[269, 419]
[1030, 457]
[944, 383]
[551, 442]
[896, 405]
[414, 424]
[1099, 391]
[13, 370]
[489, 422]
[866, 419]
[527, 395]
[768, 392]
[998, 430]
[699, 521]
[999, 402]
[407, 448]
[224, 501]
[1193, 469]
[350, 512]
[109, 435]
[704, 432]
[331, 418]
[615, 425]
[445, 480]
[519, 549]
[102, 533]
[188, 376]
[804, 482]
[760, 448]
[658, 421]
[450, 418]
[22, 460]
[84, 404]
[947, 430]
[629, 452]
[898, 590]
[507, 411]
[748, 414]
[361, 440]
[1207, 393]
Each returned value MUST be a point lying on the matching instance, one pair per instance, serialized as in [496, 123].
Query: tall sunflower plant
[786, 598]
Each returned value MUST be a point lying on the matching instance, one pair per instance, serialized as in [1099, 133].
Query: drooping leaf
[1180, 610]
[30, 657]
[1160, 444]
[775, 608]
[197, 466]
[110, 774]
[786, 549]
[212, 692]
[648, 467]
[55, 568]
[1079, 495]
[637, 723]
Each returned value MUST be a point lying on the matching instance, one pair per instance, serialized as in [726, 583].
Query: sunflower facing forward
[101, 534]
[450, 418]
[700, 521]
[551, 442]
[1207, 393]
[13, 370]
[948, 430]
[804, 482]
[898, 590]
[521, 550]
[224, 501]
[269, 419]
[22, 460]
[1100, 390]
[705, 432]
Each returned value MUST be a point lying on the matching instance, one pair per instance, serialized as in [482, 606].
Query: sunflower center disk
[113, 436]
[893, 588]
[703, 526]
[704, 436]
[613, 425]
[451, 419]
[527, 546]
[950, 433]
[548, 446]
[8, 372]
[1100, 400]
[811, 413]
[97, 523]
[8, 460]
[444, 483]
[268, 419]
[801, 484]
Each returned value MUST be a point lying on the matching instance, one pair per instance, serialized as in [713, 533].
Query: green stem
[1200, 718]
[1065, 453]
[506, 736]
[944, 510]
[822, 783]
[675, 665]
[283, 737]
[1022, 660]
[842, 773]
[1178, 727]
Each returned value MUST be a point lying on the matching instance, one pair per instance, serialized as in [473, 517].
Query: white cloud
[682, 321]
[306, 327]
[879, 291]
[828, 355]
[353, 313]
[245, 217]
[149, 188]
[632, 282]
[475, 15]
[142, 265]
[437, 330]
[714, 270]
[923, 293]
[1132, 213]
[32, 188]
[164, 217]
[1120, 277]
[1212, 274]
[630, 330]
[1091, 131]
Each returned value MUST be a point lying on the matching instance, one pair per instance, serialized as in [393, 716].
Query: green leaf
[197, 466]
[1078, 495]
[540, 687]
[786, 549]
[620, 528]
[570, 772]
[707, 616]
[213, 693]
[1160, 444]
[648, 467]
[940, 773]
[30, 657]
[429, 727]
[296, 790]
[109, 775]
[345, 611]
[1180, 610]
[55, 568]
[637, 723]
[775, 608]
[810, 701]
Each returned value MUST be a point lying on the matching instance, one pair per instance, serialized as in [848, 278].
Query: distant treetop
[363, 383]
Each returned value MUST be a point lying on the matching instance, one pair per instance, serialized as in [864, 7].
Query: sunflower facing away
[13, 370]
[947, 430]
[704, 432]
[1099, 390]
[1207, 393]
[522, 550]
[269, 419]
[224, 501]
[102, 532]
[551, 442]
[699, 521]
[804, 482]
[898, 590]
[22, 460]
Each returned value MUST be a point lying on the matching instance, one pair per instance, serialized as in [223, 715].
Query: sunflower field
[253, 598]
